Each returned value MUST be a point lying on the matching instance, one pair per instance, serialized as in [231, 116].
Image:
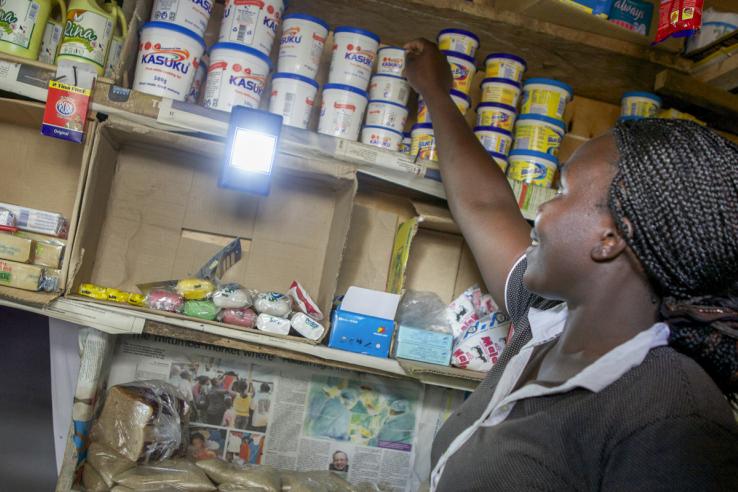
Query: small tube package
[303, 302]
[32, 220]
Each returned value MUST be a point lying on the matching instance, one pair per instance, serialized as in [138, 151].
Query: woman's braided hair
[677, 186]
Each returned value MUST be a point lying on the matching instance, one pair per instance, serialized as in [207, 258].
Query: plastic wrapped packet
[306, 326]
[260, 477]
[303, 302]
[679, 18]
[487, 306]
[92, 480]
[273, 303]
[232, 296]
[174, 474]
[165, 300]
[93, 291]
[273, 324]
[329, 481]
[293, 481]
[423, 310]
[462, 313]
[243, 317]
[119, 296]
[137, 300]
[7, 220]
[481, 345]
[200, 309]
[107, 463]
[142, 421]
[195, 289]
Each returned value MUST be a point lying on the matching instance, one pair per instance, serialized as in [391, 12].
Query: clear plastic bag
[107, 463]
[92, 480]
[175, 474]
[423, 310]
[261, 477]
[142, 421]
[328, 480]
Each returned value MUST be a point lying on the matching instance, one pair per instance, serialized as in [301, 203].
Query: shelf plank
[597, 66]
[717, 107]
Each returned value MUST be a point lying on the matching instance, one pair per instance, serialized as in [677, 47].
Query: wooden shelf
[120, 321]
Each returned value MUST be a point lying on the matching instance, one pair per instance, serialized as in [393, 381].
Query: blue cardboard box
[423, 345]
[365, 322]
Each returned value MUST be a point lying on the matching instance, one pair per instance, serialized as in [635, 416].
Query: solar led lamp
[253, 137]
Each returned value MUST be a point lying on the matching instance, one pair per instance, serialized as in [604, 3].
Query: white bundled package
[481, 344]
[40, 221]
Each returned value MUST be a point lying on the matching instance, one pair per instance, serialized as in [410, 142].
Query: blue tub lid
[242, 49]
[387, 102]
[356, 30]
[306, 17]
[546, 119]
[422, 126]
[406, 134]
[459, 31]
[176, 28]
[498, 80]
[492, 129]
[497, 155]
[496, 105]
[388, 75]
[508, 56]
[344, 87]
[294, 76]
[457, 54]
[535, 153]
[647, 95]
[460, 94]
[553, 82]
[383, 128]
[631, 117]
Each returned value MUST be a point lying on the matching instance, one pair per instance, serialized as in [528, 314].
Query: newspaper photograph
[259, 409]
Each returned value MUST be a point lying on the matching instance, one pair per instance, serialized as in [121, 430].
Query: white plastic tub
[423, 142]
[462, 69]
[501, 91]
[236, 77]
[532, 167]
[539, 133]
[496, 115]
[165, 65]
[391, 60]
[389, 88]
[342, 111]
[353, 58]
[386, 114]
[494, 139]
[383, 137]
[293, 97]
[462, 101]
[458, 40]
[301, 44]
[193, 96]
[547, 97]
[505, 66]
[640, 104]
[251, 23]
[407, 143]
[191, 14]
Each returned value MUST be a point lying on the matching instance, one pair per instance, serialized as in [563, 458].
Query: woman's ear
[611, 245]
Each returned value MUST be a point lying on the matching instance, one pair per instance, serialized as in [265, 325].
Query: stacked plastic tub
[294, 88]
[171, 48]
[387, 113]
[459, 46]
[497, 112]
[637, 105]
[539, 131]
[239, 62]
[344, 96]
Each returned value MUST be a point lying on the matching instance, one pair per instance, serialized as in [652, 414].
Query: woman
[615, 378]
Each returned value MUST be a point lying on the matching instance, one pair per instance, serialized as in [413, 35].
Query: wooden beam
[717, 107]
[722, 74]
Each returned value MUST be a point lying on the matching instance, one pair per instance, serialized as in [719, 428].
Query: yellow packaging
[534, 133]
[94, 291]
[547, 97]
[15, 248]
[137, 300]
[115, 295]
[47, 251]
[423, 144]
[532, 169]
[504, 66]
[20, 275]
[501, 92]
[195, 289]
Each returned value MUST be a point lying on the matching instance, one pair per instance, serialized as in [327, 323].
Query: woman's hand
[427, 69]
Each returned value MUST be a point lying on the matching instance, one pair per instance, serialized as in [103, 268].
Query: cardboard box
[20, 275]
[423, 345]
[365, 322]
[153, 211]
[41, 173]
[15, 248]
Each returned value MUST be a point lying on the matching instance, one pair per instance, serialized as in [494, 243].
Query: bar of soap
[15, 248]
[20, 275]
[307, 327]
[273, 303]
[273, 324]
[47, 251]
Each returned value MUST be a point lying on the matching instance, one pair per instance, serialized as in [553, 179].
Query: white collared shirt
[546, 326]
